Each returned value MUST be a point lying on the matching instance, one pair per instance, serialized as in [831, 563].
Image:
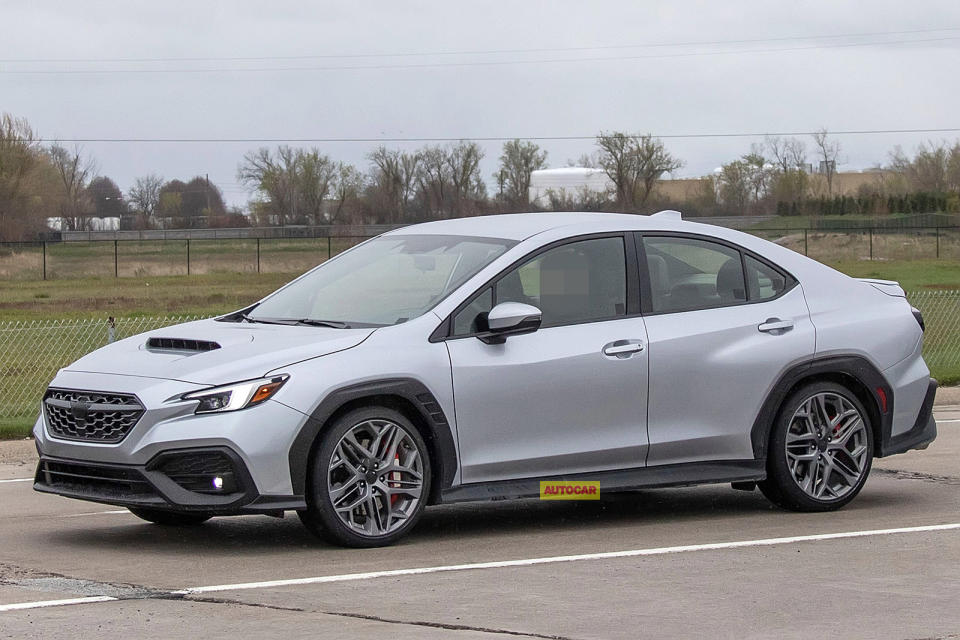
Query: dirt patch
[18, 452]
[947, 396]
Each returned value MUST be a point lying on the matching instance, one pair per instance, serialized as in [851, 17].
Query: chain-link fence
[941, 341]
[32, 352]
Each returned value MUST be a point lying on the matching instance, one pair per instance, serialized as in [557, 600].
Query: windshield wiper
[247, 318]
[333, 324]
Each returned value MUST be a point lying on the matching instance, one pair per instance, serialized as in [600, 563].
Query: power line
[483, 51]
[475, 63]
[851, 132]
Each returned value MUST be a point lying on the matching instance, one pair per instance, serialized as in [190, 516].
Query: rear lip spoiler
[888, 287]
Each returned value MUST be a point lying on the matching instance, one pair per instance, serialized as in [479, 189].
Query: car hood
[244, 351]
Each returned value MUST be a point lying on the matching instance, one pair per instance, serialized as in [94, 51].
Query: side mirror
[510, 319]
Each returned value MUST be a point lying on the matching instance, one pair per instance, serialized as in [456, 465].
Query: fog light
[218, 483]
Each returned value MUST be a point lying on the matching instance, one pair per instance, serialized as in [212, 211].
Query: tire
[830, 451]
[170, 518]
[374, 507]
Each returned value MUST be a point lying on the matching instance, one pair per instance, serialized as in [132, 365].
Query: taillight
[919, 318]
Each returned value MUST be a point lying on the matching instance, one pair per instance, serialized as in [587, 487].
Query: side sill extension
[671, 475]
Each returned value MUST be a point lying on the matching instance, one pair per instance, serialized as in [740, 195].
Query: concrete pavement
[745, 570]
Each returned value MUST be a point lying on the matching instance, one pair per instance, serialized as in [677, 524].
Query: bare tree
[634, 163]
[144, 197]
[517, 161]
[788, 154]
[393, 182]
[292, 184]
[829, 150]
[73, 171]
[345, 191]
[433, 181]
[463, 164]
[313, 175]
[617, 161]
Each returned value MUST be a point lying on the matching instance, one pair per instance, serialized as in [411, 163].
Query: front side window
[581, 281]
[687, 274]
[385, 281]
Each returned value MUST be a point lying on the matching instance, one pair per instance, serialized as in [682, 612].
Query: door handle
[775, 324]
[622, 348]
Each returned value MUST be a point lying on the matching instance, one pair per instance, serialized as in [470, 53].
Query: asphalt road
[694, 562]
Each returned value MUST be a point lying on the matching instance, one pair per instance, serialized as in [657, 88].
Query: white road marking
[93, 513]
[501, 564]
[586, 556]
[54, 603]
[17, 480]
[942, 421]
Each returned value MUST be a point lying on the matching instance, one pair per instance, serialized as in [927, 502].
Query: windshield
[385, 281]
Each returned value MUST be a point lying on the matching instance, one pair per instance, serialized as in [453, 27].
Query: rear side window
[763, 281]
[688, 274]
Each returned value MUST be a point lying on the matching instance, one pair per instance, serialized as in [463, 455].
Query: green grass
[124, 297]
[913, 275]
[15, 428]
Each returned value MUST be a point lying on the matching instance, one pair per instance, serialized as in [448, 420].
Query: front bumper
[212, 480]
[261, 436]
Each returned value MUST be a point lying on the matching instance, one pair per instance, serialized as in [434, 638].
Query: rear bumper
[923, 432]
[175, 480]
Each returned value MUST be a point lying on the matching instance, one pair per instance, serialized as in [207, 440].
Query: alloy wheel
[375, 477]
[827, 446]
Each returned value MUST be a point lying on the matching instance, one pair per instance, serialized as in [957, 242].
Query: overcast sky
[793, 77]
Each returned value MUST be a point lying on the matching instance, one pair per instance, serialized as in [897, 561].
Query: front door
[568, 398]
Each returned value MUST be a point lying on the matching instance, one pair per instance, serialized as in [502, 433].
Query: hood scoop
[181, 345]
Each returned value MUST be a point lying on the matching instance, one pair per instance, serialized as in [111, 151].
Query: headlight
[238, 395]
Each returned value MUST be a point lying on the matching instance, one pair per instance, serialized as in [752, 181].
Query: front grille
[94, 480]
[196, 471]
[90, 415]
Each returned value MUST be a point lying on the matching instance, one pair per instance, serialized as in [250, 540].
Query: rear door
[722, 326]
[570, 397]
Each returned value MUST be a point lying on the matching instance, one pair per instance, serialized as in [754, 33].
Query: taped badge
[569, 490]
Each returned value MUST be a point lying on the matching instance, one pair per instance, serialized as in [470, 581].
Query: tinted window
[577, 282]
[687, 274]
[763, 280]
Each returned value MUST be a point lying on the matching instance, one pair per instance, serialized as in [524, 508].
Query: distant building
[569, 181]
[90, 224]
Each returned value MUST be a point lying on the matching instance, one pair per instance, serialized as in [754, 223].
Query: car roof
[520, 226]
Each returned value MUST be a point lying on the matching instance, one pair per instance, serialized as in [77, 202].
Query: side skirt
[672, 475]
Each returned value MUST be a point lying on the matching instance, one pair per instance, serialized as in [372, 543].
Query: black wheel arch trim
[438, 434]
[856, 367]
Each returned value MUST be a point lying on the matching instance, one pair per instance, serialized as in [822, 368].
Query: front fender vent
[181, 344]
